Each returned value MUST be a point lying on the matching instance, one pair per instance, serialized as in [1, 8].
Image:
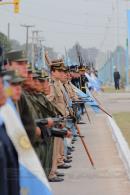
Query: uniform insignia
[24, 142]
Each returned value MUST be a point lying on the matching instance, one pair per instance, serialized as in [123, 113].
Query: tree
[15, 45]
[4, 42]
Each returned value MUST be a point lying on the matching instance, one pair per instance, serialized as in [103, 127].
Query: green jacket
[26, 116]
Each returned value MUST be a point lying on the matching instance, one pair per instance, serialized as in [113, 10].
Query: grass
[123, 121]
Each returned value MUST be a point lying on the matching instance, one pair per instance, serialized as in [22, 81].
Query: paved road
[115, 102]
[109, 176]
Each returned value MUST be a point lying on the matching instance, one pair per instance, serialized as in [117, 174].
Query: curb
[121, 144]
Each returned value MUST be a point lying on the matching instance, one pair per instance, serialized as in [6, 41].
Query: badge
[24, 142]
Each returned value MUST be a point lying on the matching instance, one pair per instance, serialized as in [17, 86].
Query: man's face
[77, 75]
[46, 86]
[21, 67]
[56, 74]
[16, 92]
[82, 72]
[63, 76]
[2, 93]
[37, 85]
[29, 81]
[72, 75]
[69, 77]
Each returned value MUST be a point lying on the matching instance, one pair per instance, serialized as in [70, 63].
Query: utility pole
[127, 63]
[112, 67]
[66, 56]
[127, 87]
[33, 50]
[42, 60]
[118, 38]
[35, 43]
[27, 35]
[8, 33]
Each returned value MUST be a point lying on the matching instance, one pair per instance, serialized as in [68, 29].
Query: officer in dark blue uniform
[9, 167]
[75, 80]
[83, 83]
[9, 176]
[3, 171]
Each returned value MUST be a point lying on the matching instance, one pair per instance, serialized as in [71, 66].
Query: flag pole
[101, 107]
[85, 146]
[127, 49]
[87, 114]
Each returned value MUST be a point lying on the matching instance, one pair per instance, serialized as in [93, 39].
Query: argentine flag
[87, 97]
[93, 82]
[32, 177]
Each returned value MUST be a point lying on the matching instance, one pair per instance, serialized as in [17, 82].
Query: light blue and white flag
[87, 97]
[94, 82]
[32, 177]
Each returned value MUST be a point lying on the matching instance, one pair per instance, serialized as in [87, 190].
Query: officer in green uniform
[39, 112]
[42, 108]
[18, 61]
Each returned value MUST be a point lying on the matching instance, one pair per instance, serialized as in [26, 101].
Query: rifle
[56, 120]
[58, 132]
[55, 132]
